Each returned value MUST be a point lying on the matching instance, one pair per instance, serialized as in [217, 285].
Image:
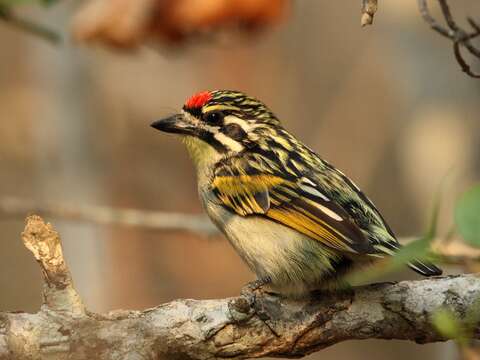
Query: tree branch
[248, 326]
[369, 8]
[8, 16]
[199, 224]
[58, 291]
[454, 32]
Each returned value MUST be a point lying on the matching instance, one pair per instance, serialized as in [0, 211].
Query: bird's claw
[250, 288]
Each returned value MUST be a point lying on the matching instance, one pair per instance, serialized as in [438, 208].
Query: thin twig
[463, 64]
[454, 32]
[199, 224]
[369, 8]
[425, 12]
[448, 15]
[473, 50]
[7, 15]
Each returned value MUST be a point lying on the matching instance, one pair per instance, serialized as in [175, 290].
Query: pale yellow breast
[294, 262]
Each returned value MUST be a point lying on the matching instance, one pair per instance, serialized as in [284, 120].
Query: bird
[299, 223]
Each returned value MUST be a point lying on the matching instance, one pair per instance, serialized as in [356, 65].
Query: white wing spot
[329, 212]
[307, 181]
[312, 189]
[314, 192]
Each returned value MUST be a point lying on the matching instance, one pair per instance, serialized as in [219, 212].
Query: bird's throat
[203, 155]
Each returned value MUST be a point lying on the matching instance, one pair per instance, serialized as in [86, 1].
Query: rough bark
[252, 325]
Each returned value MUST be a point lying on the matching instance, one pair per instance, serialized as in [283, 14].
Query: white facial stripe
[190, 118]
[228, 142]
[240, 122]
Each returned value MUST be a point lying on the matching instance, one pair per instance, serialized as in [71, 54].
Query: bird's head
[220, 123]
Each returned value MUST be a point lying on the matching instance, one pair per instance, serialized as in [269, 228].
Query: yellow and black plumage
[297, 221]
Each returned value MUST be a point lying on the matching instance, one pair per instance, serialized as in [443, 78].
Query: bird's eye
[213, 117]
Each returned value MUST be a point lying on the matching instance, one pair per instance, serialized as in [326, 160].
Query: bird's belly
[294, 262]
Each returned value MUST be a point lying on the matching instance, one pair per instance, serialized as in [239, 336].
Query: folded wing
[295, 203]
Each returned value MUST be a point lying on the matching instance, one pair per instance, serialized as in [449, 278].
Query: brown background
[386, 104]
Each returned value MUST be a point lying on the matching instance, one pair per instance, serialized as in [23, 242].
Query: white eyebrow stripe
[228, 142]
[230, 119]
[313, 191]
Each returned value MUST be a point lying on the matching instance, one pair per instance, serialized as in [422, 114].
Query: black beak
[175, 124]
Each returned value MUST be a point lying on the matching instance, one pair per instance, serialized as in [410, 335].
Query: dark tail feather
[425, 268]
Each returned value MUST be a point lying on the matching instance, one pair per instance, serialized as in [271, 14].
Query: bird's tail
[425, 268]
[422, 267]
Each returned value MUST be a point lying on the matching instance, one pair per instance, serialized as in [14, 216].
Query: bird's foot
[342, 289]
[249, 289]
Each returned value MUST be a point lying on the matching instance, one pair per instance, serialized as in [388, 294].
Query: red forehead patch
[198, 100]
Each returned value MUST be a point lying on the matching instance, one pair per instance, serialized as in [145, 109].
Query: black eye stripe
[209, 138]
[234, 131]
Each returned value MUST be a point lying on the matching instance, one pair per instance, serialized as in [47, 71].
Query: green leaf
[48, 2]
[28, 26]
[448, 325]
[431, 232]
[472, 317]
[467, 216]
[418, 249]
[13, 3]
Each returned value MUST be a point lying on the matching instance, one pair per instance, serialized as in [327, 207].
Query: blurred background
[387, 104]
